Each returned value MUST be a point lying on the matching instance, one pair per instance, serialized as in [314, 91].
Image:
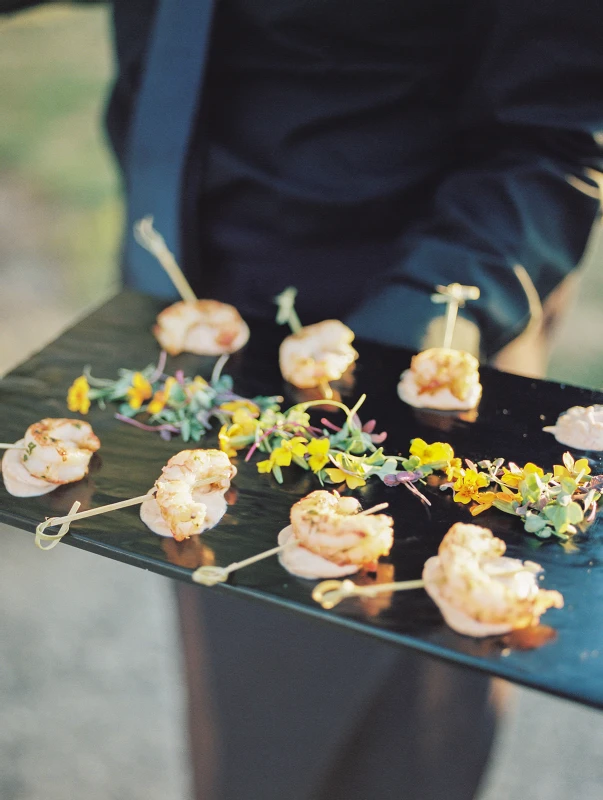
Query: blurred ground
[90, 701]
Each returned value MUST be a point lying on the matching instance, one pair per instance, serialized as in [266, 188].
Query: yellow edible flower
[431, 453]
[485, 500]
[282, 455]
[245, 422]
[581, 465]
[238, 435]
[198, 384]
[237, 405]
[513, 479]
[78, 399]
[342, 474]
[140, 391]
[319, 453]
[161, 397]
[454, 469]
[466, 487]
[225, 443]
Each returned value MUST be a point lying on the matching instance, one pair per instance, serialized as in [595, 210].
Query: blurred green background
[60, 207]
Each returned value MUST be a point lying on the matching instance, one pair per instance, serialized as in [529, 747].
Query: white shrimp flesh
[479, 590]
[59, 450]
[202, 327]
[332, 528]
[189, 494]
[317, 354]
[441, 378]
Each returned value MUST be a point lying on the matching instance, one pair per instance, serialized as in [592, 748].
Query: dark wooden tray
[511, 415]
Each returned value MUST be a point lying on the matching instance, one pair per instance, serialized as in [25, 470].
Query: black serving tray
[510, 417]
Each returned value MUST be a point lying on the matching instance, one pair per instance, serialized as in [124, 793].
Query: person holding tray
[365, 153]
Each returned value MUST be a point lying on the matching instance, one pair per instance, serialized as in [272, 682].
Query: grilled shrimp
[188, 486]
[317, 353]
[441, 378]
[330, 526]
[479, 590]
[203, 327]
[59, 450]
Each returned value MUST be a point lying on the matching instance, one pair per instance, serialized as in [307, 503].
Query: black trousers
[289, 708]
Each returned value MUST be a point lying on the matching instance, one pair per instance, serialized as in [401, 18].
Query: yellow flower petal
[77, 396]
[157, 404]
[431, 453]
[336, 475]
[581, 465]
[224, 441]
[532, 468]
[237, 405]
[417, 447]
[281, 457]
[140, 391]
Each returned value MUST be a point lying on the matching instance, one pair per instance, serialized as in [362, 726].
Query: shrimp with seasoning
[441, 378]
[189, 495]
[333, 537]
[53, 452]
[317, 354]
[479, 590]
[202, 327]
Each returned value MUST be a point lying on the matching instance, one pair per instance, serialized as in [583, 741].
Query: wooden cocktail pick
[7, 446]
[455, 295]
[210, 575]
[65, 522]
[329, 593]
[146, 236]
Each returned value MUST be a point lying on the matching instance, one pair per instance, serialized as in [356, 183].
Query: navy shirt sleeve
[522, 192]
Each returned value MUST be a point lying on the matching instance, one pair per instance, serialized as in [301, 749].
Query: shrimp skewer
[189, 496]
[313, 355]
[317, 354]
[202, 327]
[441, 378]
[52, 452]
[479, 590]
[333, 537]
[210, 575]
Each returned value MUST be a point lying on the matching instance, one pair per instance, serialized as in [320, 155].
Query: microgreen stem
[325, 388]
[137, 424]
[159, 368]
[412, 488]
[330, 425]
[286, 314]
[218, 367]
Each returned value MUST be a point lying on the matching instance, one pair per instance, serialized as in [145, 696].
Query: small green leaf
[569, 485]
[574, 513]
[534, 523]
